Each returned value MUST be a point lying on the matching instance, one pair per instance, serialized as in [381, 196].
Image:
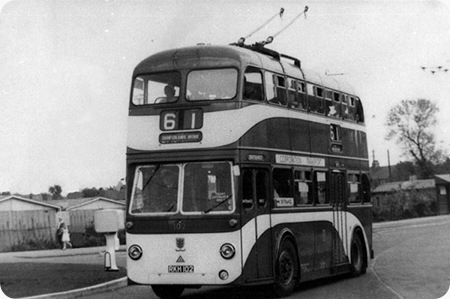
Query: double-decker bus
[243, 168]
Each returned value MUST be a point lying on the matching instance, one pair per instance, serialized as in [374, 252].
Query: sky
[66, 66]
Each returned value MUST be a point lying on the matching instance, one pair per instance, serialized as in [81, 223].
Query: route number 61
[181, 120]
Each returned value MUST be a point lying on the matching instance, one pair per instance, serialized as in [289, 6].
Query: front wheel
[168, 291]
[286, 270]
[358, 265]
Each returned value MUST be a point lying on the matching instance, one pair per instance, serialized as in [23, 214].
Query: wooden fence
[22, 227]
[25, 227]
[80, 219]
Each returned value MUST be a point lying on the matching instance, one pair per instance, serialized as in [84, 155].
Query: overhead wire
[265, 23]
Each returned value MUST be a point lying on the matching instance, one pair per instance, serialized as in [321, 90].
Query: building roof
[442, 178]
[69, 204]
[405, 185]
[92, 200]
[31, 201]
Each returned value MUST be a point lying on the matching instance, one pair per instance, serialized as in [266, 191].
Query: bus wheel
[286, 270]
[168, 291]
[358, 266]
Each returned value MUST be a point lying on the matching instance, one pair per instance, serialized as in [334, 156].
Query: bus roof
[204, 56]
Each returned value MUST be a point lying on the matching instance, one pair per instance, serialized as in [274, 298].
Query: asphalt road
[412, 260]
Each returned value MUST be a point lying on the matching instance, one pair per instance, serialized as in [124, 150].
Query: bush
[404, 205]
[29, 245]
[90, 238]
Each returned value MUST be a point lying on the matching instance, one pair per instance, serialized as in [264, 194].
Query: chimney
[375, 164]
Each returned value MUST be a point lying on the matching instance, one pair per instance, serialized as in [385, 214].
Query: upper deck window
[252, 85]
[316, 103]
[156, 88]
[212, 84]
[276, 89]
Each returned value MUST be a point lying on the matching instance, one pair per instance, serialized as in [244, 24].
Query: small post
[109, 222]
[110, 252]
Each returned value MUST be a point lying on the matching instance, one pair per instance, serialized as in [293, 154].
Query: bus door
[255, 200]
[338, 202]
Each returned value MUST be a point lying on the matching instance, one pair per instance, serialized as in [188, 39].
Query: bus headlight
[227, 251]
[135, 252]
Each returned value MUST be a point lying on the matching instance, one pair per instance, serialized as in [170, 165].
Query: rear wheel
[358, 266]
[286, 270]
[168, 291]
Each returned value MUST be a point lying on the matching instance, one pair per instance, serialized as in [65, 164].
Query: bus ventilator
[109, 222]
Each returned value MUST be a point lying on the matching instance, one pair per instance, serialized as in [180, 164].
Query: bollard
[109, 222]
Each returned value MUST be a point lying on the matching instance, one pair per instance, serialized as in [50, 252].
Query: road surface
[412, 260]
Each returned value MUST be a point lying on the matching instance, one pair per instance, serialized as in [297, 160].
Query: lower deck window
[303, 191]
[321, 187]
[282, 187]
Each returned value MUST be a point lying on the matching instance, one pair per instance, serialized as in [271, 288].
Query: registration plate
[181, 269]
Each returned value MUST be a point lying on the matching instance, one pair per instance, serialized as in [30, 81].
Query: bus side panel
[364, 215]
[300, 133]
[318, 143]
[313, 238]
[314, 233]
[277, 128]
[258, 265]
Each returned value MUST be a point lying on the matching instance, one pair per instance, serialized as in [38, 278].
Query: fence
[21, 227]
[38, 227]
[80, 219]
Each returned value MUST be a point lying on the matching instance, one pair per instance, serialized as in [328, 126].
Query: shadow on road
[260, 292]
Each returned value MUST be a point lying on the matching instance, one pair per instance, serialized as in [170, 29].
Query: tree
[403, 171]
[90, 192]
[411, 123]
[56, 191]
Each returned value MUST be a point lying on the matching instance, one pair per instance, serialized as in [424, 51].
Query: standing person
[65, 237]
[59, 231]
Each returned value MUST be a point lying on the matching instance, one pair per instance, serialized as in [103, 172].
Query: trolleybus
[243, 168]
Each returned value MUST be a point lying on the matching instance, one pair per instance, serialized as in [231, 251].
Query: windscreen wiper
[151, 177]
[217, 205]
[171, 207]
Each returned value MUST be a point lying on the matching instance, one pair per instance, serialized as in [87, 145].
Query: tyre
[168, 291]
[286, 270]
[358, 264]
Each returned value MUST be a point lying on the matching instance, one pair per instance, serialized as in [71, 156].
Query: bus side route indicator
[299, 160]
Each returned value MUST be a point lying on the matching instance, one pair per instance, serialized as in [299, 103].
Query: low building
[18, 203]
[426, 187]
[81, 216]
[442, 193]
[24, 221]
[379, 174]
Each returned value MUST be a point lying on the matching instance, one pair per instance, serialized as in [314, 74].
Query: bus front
[183, 222]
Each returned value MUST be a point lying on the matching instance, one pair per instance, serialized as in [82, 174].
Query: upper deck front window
[212, 84]
[156, 88]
